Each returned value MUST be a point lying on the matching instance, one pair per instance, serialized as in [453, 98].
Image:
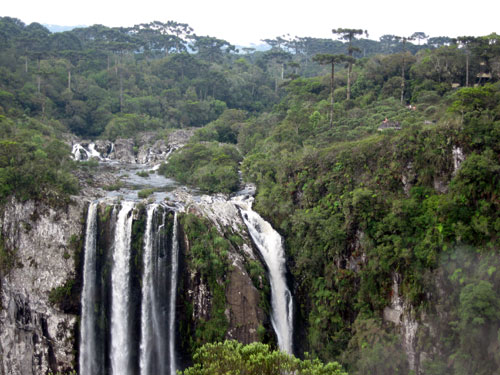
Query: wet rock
[105, 148]
[124, 151]
[401, 314]
[35, 336]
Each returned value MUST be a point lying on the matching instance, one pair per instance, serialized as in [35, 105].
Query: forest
[375, 160]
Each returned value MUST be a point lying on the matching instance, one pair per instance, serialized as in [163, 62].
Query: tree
[404, 40]
[232, 357]
[419, 35]
[325, 59]
[438, 41]
[279, 57]
[212, 49]
[349, 35]
[466, 42]
[388, 42]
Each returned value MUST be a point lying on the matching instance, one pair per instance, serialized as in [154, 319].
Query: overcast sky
[245, 22]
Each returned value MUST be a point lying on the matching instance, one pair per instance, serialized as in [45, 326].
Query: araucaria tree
[349, 35]
[403, 39]
[326, 58]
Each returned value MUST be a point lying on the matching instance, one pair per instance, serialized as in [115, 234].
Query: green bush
[232, 357]
[208, 166]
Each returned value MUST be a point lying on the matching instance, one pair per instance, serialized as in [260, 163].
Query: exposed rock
[243, 299]
[458, 158]
[179, 137]
[124, 151]
[36, 337]
[408, 178]
[401, 314]
[105, 148]
[153, 153]
[440, 184]
[357, 257]
[242, 311]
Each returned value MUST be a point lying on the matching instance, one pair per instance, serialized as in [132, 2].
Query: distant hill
[60, 29]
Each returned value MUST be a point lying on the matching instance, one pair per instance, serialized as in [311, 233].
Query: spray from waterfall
[87, 360]
[270, 245]
[173, 293]
[147, 334]
[120, 293]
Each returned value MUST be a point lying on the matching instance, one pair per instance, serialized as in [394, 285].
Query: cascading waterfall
[88, 364]
[120, 280]
[121, 339]
[173, 294]
[270, 245]
[158, 287]
[147, 332]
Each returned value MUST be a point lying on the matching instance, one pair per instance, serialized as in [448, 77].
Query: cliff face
[244, 295]
[41, 291]
[35, 335]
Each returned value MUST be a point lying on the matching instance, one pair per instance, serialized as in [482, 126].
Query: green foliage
[209, 166]
[144, 193]
[355, 208]
[8, 258]
[61, 294]
[127, 125]
[232, 357]
[373, 349]
[224, 129]
[33, 164]
[208, 255]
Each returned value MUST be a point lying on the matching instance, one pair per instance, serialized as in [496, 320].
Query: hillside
[378, 162]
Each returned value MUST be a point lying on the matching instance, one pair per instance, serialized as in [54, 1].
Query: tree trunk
[466, 69]
[38, 82]
[26, 65]
[403, 80]
[349, 68]
[331, 93]
[69, 80]
[121, 91]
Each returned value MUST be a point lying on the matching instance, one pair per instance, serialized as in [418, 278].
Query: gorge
[133, 256]
[169, 202]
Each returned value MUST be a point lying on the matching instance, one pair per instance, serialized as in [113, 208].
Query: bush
[209, 166]
[232, 357]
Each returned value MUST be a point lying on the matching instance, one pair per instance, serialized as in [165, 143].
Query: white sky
[249, 21]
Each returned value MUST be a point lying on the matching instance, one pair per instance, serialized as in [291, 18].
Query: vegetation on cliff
[416, 202]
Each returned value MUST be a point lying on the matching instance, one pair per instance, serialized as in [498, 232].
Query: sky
[247, 22]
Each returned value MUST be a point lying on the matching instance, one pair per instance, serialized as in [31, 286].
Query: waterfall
[120, 280]
[147, 296]
[87, 360]
[270, 245]
[79, 152]
[173, 293]
[156, 297]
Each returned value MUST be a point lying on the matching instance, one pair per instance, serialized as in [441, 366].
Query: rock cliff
[36, 334]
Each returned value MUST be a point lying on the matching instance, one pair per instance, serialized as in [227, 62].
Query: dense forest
[376, 160]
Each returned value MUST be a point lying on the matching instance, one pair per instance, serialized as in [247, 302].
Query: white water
[77, 151]
[120, 282]
[81, 153]
[270, 245]
[147, 333]
[88, 364]
[458, 158]
[93, 152]
[173, 293]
